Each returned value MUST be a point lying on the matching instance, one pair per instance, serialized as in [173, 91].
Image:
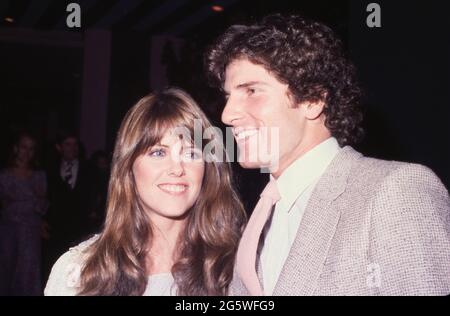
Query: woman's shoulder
[4, 173]
[64, 279]
[5, 179]
[39, 174]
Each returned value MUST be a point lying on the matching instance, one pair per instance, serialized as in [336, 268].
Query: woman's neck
[164, 248]
[21, 165]
[21, 170]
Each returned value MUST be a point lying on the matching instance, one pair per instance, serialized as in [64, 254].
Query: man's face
[258, 101]
[69, 149]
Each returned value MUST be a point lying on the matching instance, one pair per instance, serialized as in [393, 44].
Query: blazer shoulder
[411, 177]
[386, 171]
[413, 188]
[394, 183]
[410, 228]
[378, 167]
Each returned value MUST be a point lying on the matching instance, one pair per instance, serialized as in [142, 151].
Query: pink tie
[246, 254]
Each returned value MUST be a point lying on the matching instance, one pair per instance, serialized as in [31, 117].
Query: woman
[23, 203]
[173, 219]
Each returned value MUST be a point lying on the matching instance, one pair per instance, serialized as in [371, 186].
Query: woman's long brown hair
[116, 262]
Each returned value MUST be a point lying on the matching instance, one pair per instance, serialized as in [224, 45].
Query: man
[342, 223]
[69, 195]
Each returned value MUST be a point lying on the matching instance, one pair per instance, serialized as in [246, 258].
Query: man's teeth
[246, 133]
[173, 188]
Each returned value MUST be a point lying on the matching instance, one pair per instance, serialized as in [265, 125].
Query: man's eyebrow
[245, 85]
[250, 83]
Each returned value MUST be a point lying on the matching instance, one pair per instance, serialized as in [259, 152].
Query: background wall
[53, 77]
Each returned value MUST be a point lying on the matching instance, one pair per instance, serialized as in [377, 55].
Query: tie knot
[271, 191]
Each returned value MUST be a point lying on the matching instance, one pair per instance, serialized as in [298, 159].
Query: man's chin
[250, 164]
[254, 165]
[253, 162]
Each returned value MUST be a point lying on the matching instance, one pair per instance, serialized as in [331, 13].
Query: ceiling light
[217, 8]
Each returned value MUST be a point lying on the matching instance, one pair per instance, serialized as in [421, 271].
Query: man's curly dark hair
[304, 54]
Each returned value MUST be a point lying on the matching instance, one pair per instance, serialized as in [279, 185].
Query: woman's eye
[157, 153]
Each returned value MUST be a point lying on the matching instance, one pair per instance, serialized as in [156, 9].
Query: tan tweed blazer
[371, 227]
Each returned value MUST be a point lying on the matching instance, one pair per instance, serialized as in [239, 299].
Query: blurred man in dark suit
[69, 194]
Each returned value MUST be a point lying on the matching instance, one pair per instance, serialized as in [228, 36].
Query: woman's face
[169, 177]
[24, 150]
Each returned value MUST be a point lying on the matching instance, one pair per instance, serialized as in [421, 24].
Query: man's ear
[58, 147]
[313, 110]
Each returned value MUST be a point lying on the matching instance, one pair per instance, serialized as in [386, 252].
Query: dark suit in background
[68, 213]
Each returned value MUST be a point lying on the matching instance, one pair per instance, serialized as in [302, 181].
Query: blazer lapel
[307, 256]
[260, 274]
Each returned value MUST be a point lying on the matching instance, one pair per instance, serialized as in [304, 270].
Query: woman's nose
[176, 167]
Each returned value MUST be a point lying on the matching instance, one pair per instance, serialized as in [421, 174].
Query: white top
[64, 278]
[295, 185]
[161, 284]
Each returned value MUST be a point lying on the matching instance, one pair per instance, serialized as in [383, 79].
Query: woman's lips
[173, 189]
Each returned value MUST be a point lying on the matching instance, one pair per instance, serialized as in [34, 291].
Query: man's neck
[301, 150]
[70, 161]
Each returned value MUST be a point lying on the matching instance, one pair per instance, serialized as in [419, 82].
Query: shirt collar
[304, 171]
[65, 163]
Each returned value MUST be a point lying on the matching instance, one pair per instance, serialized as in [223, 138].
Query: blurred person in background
[23, 203]
[69, 185]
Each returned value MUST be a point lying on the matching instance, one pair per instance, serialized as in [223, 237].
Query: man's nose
[231, 112]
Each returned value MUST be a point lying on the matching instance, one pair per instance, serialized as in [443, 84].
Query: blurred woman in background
[23, 203]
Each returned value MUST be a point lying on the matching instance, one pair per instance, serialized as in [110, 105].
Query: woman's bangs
[174, 123]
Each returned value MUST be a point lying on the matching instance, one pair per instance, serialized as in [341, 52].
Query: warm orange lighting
[217, 8]
[8, 19]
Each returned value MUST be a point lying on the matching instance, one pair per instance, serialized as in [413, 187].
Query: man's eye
[251, 91]
[157, 153]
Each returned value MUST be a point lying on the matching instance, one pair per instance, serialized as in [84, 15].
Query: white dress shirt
[295, 185]
[73, 179]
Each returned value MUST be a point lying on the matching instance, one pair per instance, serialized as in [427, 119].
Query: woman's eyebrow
[161, 145]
